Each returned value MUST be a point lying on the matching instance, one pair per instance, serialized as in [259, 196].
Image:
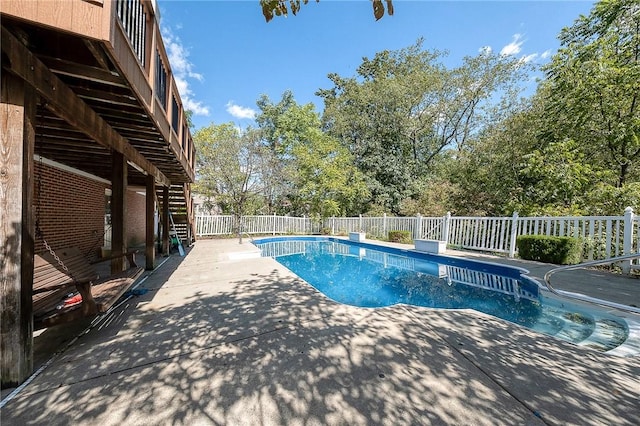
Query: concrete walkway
[226, 337]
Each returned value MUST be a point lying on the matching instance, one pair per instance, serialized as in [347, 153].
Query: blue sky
[224, 55]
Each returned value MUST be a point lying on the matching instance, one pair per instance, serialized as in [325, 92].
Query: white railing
[605, 236]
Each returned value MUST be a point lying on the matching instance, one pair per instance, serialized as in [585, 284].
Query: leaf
[390, 7]
[267, 12]
[378, 9]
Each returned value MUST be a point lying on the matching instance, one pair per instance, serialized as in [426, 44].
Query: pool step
[607, 335]
[592, 331]
[576, 327]
[631, 346]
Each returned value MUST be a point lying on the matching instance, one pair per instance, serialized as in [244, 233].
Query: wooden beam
[118, 211]
[97, 53]
[108, 98]
[150, 246]
[17, 115]
[84, 72]
[66, 104]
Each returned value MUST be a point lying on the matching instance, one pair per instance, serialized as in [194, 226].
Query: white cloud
[514, 47]
[545, 54]
[239, 111]
[529, 58]
[183, 71]
[486, 50]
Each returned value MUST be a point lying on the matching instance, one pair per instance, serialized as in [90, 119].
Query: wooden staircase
[181, 209]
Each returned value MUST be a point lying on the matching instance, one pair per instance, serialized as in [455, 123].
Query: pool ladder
[605, 303]
[244, 233]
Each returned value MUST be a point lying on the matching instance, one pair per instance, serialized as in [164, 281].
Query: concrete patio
[226, 337]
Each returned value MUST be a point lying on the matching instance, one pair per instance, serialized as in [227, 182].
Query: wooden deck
[86, 85]
[105, 82]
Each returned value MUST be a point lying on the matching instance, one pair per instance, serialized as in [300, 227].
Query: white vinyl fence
[605, 236]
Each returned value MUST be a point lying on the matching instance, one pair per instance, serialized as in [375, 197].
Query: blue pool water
[371, 276]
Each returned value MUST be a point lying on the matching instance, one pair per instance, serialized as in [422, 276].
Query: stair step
[576, 327]
[604, 334]
[607, 335]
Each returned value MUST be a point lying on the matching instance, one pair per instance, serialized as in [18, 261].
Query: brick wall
[72, 210]
[135, 219]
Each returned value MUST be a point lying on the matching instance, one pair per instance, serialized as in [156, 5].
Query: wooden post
[17, 118]
[165, 221]
[150, 249]
[118, 209]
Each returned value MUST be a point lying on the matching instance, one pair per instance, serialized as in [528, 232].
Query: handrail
[610, 260]
[245, 233]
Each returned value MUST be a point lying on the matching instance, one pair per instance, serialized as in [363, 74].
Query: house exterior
[95, 145]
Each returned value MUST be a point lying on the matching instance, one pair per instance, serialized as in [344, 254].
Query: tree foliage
[271, 8]
[594, 85]
[230, 167]
[573, 147]
[404, 108]
[323, 180]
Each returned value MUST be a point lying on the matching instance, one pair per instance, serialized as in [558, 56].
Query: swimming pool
[372, 275]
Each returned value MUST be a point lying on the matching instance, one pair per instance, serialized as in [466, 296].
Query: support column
[165, 221]
[118, 210]
[150, 249]
[17, 133]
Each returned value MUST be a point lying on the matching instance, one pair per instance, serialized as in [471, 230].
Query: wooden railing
[134, 22]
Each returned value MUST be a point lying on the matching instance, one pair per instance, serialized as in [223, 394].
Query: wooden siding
[81, 17]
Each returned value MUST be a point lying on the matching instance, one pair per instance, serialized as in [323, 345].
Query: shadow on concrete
[211, 345]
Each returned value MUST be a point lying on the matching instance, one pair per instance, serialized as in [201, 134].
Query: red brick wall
[135, 219]
[72, 210]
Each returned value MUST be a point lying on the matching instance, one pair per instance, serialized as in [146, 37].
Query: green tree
[556, 179]
[321, 179]
[326, 180]
[594, 86]
[404, 108]
[230, 166]
[488, 168]
[188, 115]
[278, 178]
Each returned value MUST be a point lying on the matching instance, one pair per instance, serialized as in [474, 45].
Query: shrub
[400, 237]
[543, 248]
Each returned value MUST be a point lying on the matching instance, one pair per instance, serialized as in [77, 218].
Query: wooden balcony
[104, 83]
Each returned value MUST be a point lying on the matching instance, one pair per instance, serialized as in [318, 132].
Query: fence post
[445, 228]
[275, 219]
[384, 225]
[627, 242]
[514, 234]
[333, 225]
[360, 225]
[417, 233]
